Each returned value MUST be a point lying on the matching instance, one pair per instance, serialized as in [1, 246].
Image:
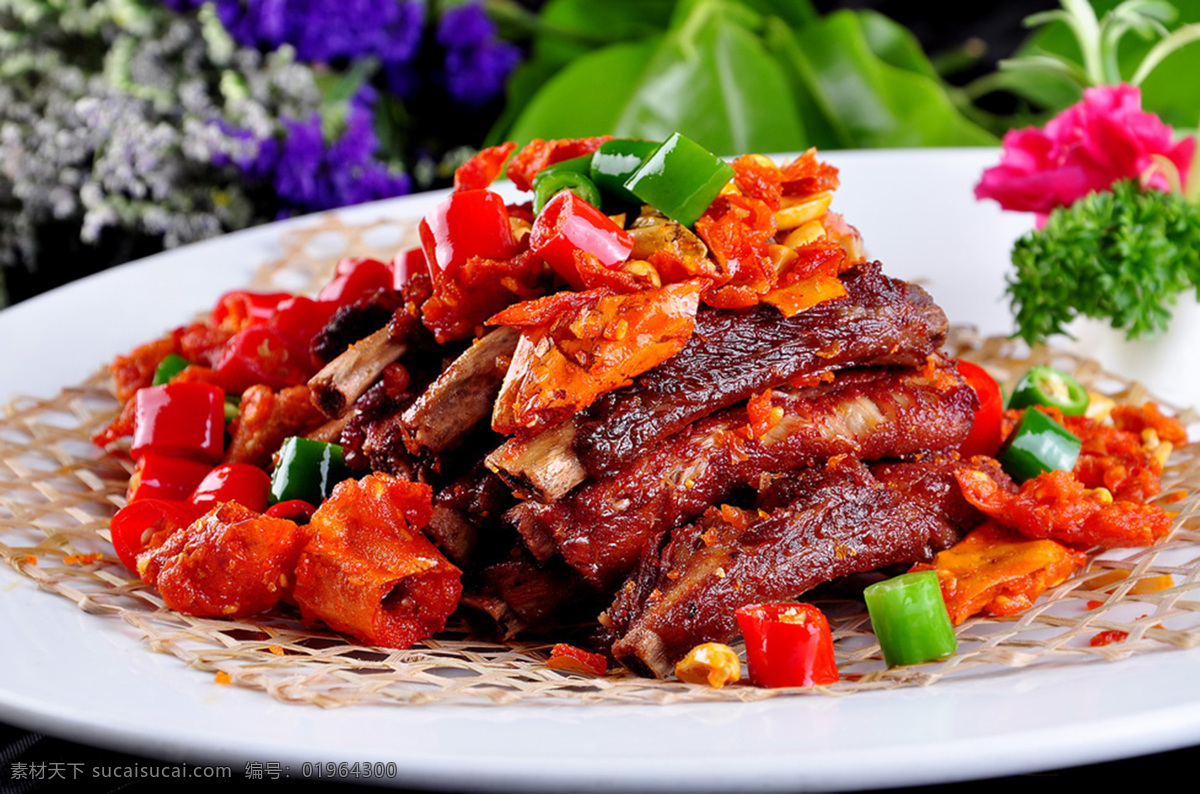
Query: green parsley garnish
[1120, 256]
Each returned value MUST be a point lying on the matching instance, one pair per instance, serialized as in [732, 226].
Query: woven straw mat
[57, 493]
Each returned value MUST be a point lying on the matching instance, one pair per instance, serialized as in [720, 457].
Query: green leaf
[710, 78]
[713, 80]
[873, 88]
[795, 13]
[826, 130]
[392, 126]
[571, 28]
[586, 98]
[895, 45]
[523, 84]
[1165, 48]
[566, 31]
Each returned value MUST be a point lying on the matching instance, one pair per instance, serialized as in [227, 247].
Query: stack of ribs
[660, 507]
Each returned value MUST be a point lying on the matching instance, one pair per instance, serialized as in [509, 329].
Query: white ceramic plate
[91, 679]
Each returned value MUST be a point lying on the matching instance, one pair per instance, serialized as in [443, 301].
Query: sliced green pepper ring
[908, 614]
[168, 368]
[1052, 388]
[1038, 444]
[549, 184]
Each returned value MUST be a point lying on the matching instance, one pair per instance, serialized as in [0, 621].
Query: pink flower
[1102, 139]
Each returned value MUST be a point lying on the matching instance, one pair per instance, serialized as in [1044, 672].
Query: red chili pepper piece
[985, 435]
[568, 224]
[297, 511]
[164, 477]
[262, 354]
[233, 482]
[467, 224]
[787, 645]
[145, 524]
[408, 264]
[356, 278]
[576, 660]
[239, 309]
[537, 154]
[300, 319]
[183, 420]
[482, 169]
[277, 351]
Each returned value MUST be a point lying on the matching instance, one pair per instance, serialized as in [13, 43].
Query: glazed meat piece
[519, 594]
[466, 516]
[601, 527]
[731, 356]
[353, 322]
[840, 519]
[735, 354]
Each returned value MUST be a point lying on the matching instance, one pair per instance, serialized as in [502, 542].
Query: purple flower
[308, 174]
[477, 63]
[465, 26]
[325, 30]
[476, 77]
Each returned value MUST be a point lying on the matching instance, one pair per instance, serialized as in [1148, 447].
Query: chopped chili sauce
[575, 347]
[758, 177]
[739, 231]
[571, 659]
[538, 153]
[1112, 458]
[807, 175]
[762, 414]
[1147, 416]
[1056, 505]
[464, 298]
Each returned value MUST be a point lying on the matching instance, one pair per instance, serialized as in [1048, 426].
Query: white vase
[1168, 363]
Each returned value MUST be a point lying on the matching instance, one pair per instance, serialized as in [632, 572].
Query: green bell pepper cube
[1052, 388]
[1038, 444]
[680, 179]
[307, 470]
[168, 368]
[910, 619]
[615, 161]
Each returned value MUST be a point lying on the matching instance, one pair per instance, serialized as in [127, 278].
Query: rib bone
[342, 381]
[462, 395]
